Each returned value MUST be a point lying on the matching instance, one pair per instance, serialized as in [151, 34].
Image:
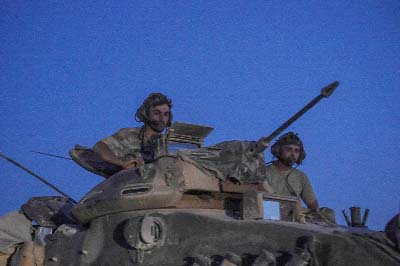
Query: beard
[157, 126]
[288, 161]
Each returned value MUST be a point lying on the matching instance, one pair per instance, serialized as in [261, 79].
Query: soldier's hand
[132, 164]
[264, 186]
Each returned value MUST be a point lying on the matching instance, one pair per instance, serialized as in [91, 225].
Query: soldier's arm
[313, 205]
[308, 195]
[106, 154]
[109, 148]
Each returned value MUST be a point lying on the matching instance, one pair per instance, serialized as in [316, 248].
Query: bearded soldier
[286, 179]
[131, 147]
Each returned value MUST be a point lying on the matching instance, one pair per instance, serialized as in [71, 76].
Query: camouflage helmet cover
[154, 99]
[288, 139]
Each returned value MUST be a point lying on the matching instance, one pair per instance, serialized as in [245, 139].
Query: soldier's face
[159, 116]
[290, 154]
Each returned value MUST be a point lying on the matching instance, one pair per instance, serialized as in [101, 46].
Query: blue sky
[74, 72]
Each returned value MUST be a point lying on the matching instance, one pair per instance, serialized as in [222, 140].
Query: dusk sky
[73, 72]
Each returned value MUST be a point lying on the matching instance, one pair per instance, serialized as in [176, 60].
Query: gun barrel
[263, 142]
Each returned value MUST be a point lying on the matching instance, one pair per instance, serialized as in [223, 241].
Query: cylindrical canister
[355, 213]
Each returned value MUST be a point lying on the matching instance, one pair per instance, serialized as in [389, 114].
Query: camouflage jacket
[126, 144]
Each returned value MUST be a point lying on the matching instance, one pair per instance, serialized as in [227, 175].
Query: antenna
[37, 176]
[52, 155]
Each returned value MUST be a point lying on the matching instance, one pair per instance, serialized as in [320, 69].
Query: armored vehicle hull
[210, 237]
[173, 213]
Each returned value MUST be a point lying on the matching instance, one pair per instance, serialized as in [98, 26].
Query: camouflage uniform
[297, 183]
[126, 144]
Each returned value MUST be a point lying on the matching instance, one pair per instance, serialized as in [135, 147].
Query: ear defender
[287, 139]
[140, 115]
[154, 99]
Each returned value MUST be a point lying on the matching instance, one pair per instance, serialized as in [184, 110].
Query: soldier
[131, 147]
[286, 179]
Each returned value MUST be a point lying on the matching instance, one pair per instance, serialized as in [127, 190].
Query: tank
[204, 206]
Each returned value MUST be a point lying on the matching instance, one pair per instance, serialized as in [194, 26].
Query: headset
[287, 139]
[154, 99]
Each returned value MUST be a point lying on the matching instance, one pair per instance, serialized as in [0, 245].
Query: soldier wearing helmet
[286, 179]
[131, 147]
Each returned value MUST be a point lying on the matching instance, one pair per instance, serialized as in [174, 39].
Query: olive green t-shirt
[290, 183]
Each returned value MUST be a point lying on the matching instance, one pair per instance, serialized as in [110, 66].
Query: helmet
[288, 139]
[154, 99]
